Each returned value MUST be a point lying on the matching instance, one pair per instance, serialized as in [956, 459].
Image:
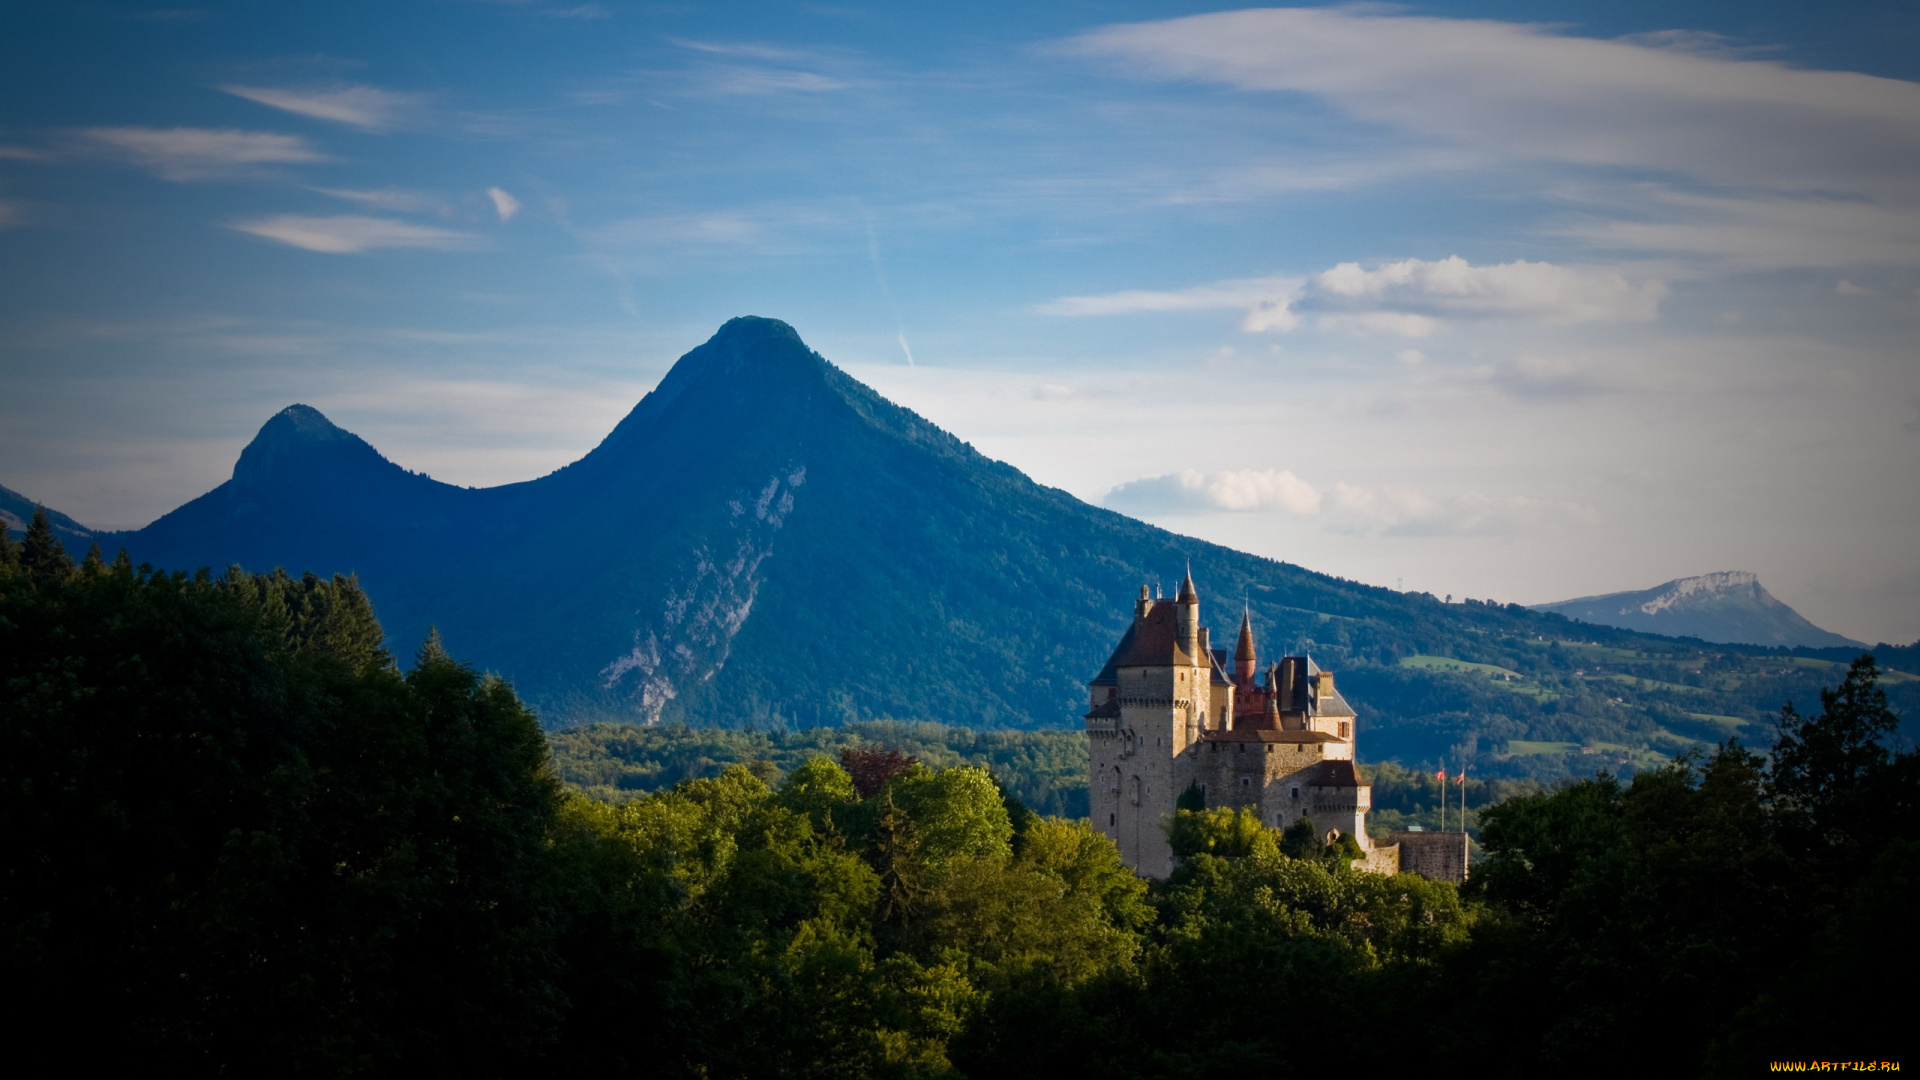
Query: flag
[1442, 774]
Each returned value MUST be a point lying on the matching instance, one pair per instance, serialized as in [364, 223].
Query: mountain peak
[1681, 591]
[292, 434]
[1726, 606]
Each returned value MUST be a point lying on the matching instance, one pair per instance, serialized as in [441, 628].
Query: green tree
[41, 553]
[1192, 798]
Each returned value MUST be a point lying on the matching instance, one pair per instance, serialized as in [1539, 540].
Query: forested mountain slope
[765, 541]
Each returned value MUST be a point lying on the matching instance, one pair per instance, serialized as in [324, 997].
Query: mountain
[16, 511]
[1728, 607]
[764, 541]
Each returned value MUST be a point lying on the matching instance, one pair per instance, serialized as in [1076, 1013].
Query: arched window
[1136, 791]
[1116, 781]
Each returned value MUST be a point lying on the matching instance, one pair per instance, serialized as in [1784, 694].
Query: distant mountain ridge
[16, 510]
[765, 541]
[1728, 607]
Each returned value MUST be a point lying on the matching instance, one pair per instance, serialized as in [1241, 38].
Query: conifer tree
[9, 551]
[894, 856]
[42, 554]
[95, 563]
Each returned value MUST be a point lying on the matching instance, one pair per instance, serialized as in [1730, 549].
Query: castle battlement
[1168, 711]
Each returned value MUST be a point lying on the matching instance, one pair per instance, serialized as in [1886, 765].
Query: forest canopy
[243, 838]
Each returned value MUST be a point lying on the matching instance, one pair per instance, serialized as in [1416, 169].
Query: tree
[1844, 791]
[873, 767]
[1301, 840]
[1192, 798]
[41, 553]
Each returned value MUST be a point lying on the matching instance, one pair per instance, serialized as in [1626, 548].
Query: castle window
[1296, 791]
[1343, 730]
[1246, 781]
[1110, 819]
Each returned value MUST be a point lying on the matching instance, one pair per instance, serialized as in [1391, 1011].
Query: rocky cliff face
[1730, 607]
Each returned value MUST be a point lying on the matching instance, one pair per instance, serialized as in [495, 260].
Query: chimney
[1286, 682]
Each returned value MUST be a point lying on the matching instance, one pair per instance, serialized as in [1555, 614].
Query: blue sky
[1522, 301]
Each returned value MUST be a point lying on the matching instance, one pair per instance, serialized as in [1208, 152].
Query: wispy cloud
[1750, 233]
[743, 81]
[183, 153]
[397, 200]
[1402, 512]
[1407, 298]
[1531, 92]
[22, 153]
[1267, 301]
[750, 50]
[1346, 508]
[505, 205]
[1233, 490]
[366, 107]
[349, 234]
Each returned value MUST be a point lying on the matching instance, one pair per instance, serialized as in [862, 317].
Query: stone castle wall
[1441, 856]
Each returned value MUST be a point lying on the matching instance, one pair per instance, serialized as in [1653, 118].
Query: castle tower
[1245, 662]
[1158, 696]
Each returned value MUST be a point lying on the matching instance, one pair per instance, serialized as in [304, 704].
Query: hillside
[764, 541]
[1730, 607]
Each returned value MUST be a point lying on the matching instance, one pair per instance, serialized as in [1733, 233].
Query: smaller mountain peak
[301, 423]
[292, 433]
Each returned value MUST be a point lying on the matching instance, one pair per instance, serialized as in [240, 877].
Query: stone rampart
[1441, 856]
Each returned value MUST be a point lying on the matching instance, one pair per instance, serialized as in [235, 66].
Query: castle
[1166, 713]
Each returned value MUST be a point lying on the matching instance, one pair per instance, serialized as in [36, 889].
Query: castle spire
[1245, 662]
[1187, 593]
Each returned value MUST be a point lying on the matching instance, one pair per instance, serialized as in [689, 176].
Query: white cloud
[200, 153]
[1235, 490]
[1401, 512]
[1535, 291]
[1410, 356]
[366, 107]
[503, 204]
[1528, 91]
[22, 153]
[1848, 288]
[1406, 298]
[350, 233]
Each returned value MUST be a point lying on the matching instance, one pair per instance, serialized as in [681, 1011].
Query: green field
[1506, 678]
[1527, 748]
[1448, 663]
[1733, 724]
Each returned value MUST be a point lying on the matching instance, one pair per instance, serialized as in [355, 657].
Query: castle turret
[1188, 619]
[1244, 660]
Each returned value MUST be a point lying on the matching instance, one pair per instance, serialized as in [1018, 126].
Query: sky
[1512, 301]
